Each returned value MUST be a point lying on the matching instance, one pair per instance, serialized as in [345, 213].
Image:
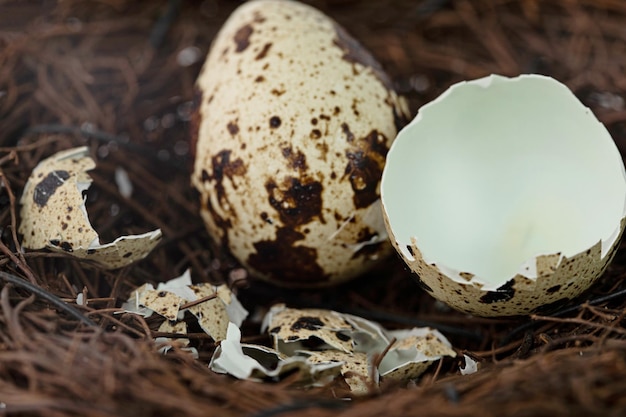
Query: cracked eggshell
[505, 195]
[293, 123]
[54, 215]
[413, 351]
[211, 314]
[257, 362]
[214, 307]
[292, 328]
[355, 368]
[166, 343]
[164, 303]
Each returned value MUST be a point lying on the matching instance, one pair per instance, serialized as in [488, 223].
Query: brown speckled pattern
[294, 125]
[295, 325]
[429, 345]
[555, 284]
[355, 368]
[54, 216]
[164, 303]
[52, 209]
[212, 315]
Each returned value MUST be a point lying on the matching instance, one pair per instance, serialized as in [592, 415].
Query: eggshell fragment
[178, 328]
[290, 327]
[163, 303]
[470, 366]
[413, 352]
[355, 368]
[505, 195]
[293, 124]
[214, 307]
[54, 215]
[211, 314]
[368, 336]
[246, 361]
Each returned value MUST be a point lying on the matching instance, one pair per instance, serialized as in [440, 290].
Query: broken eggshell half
[54, 215]
[505, 195]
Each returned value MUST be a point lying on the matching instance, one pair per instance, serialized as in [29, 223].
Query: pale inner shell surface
[500, 181]
[295, 119]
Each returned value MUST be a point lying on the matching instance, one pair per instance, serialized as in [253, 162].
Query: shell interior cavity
[503, 177]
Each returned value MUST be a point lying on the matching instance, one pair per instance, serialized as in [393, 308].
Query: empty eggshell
[293, 123]
[505, 195]
[54, 215]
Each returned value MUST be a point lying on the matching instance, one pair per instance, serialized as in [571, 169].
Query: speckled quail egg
[505, 195]
[294, 120]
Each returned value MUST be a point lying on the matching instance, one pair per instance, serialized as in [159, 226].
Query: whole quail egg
[505, 195]
[293, 124]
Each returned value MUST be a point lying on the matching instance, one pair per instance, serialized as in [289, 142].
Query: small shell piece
[212, 315]
[177, 328]
[54, 215]
[413, 352]
[356, 369]
[164, 303]
[291, 327]
[505, 195]
[216, 306]
[470, 366]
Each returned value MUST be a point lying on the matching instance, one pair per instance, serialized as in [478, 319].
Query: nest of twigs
[118, 76]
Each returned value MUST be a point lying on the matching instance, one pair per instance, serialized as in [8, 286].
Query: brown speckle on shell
[346, 131]
[223, 166]
[306, 322]
[520, 295]
[296, 202]
[232, 127]
[553, 289]
[503, 293]
[242, 38]
[275, 122]
[365, 165]
[263, 53]
[284, 260]
[297, 159]
[315, 134]
[46, 187]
